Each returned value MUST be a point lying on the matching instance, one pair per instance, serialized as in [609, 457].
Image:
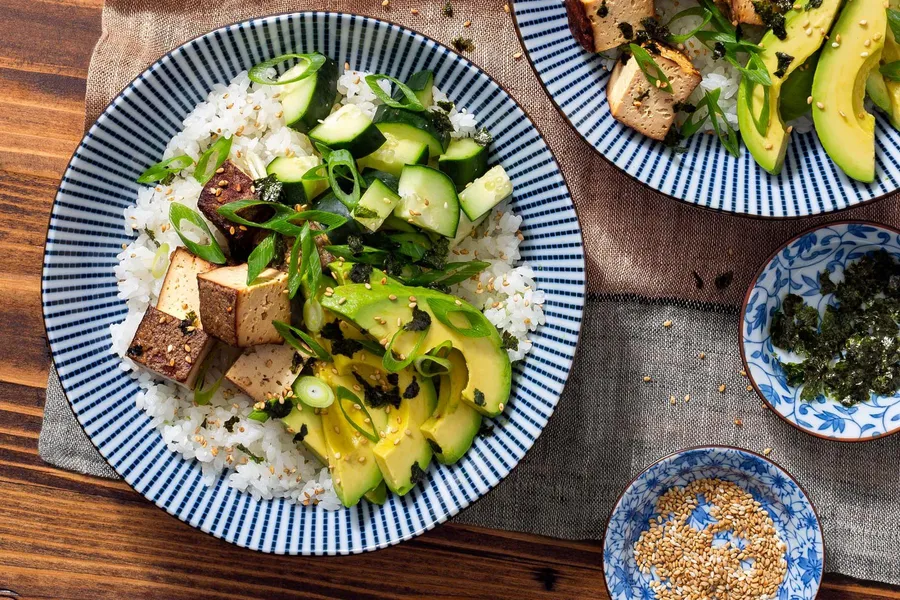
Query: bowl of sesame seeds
[713, 522]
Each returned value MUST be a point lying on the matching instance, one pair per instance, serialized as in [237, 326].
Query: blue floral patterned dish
[787, 504]
[795, 269]
[706, 175]
[86, 232]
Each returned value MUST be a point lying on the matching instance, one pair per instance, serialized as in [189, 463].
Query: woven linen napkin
[609, 424]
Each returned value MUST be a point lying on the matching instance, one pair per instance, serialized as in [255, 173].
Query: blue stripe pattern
[706, 175]
[86, 232]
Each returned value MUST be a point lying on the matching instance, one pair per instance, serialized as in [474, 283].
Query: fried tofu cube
[226, 187]
[637, 103]
[170, 347]
[242, 315]
[265, 371]
[743, 11]
[598, 24]
[179, 294]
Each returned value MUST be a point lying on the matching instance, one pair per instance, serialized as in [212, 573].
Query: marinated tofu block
[170, 347]
[637, 103]
[239, 314]
[743, 11]
[232, 185]
[266, 371]
[179, 294]
[600, 25]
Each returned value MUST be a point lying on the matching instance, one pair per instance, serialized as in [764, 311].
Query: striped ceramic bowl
[86, 232]
[705, 175]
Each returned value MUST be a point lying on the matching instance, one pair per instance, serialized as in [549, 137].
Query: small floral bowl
[779, 495]
[795, 269]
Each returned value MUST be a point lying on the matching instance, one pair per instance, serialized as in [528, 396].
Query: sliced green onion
[893, 18]
[160, 261]
[373, 347]
[202, 395]
[453, 274]
[393, 365]
[332, 220]
[646, 63]
[412, 101]
[258, 415]
[726, 134]
[761, 123]
[345, 395]
[212, 159]
[279, 222]
[294, 278]
[260, 258]
[343, 160]
[310, 266]
[314, 174]
[313, 62]
[368, 255]
[696, 11]
[301, 342]
[891, 70]
[479, 326]
[720, 21]
[313, 315]
[163, 169]
[211, 251]
[430, 366]
[313, 392]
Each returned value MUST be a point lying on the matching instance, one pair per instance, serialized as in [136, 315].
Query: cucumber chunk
[309, 100]
[375, 205]
[485, 193]
[416, 126]
[464, 161]
[348, 128]
[422, 85]
[395, 153]
[428, 199]
[290, 171]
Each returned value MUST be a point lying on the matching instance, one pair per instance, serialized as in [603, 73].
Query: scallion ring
[313, 314]
[345, 395]
[210, 161]
[442, 309]
[202, 395]
[163, 169]
[160, 263]
[429, 365]
[258, 415]
[412, 101]
[313, 62]
[342, 159]
[313, 392]
[393, 365]
[301, 342]
[211, 251]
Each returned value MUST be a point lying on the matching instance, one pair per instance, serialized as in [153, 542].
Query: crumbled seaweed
[811, 4]
[300, 435]
[479, 397]
[826, 285]
[447, 11]
[509, 341]
[268, 188]
[332, 331]
[136, 350]
[483, 137]
[297, 362]
[783, 6]
[723, 280]
[167, 180]
[486, 429]
[656, 30]
[719, 50]
[603, 11]
[355, 244]
[281, 253]
[441, 121]
[685, 107]
[393, 266]
[461, 44]
[230, 423]
[151, 235]
[673, 140]
[435, 447]
[250, 455]
[784, 61]
[421, 320]
[698, 281]
[278, 408]
[345, 347]
[416, 474]
[627, 30]
[189, 320]
[360, 273]
[445, 105]
[412, 390]
[376, 397]
[308, 368]
[436, 256]
[643, 95]
[393, 379]
[771, 17]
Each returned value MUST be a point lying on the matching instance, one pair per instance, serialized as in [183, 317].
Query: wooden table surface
[64, 535]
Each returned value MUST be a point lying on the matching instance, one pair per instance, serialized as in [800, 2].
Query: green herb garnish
[447, 11]
[258, 73]
[214, 157]
[461, 44]
[166, 168]
[483, 137]
[211, 251]
[301, 341]
[250, 455]
[652, 71]
[367, 428]
[412, 101]
[260, 258]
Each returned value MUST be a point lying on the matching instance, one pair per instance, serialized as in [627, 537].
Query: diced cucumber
[416, 126]
[290, 171]
[309, 100]
[465, 228]
[422, 84]
[394, 153]
[329, 203]
[375, 205]
[464, 161]
[428, 199]
[370, 175]
[348, 128]
[485, 193]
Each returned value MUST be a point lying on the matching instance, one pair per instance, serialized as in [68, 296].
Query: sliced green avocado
[383, 310]
[378, 495]
[341, 273]
[876, 89]
[890, 53]
[769, 147]
[846, 130]
[303, 421]
[454, 424]
[796, 89]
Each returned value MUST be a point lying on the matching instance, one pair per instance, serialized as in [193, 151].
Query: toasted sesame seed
[820, 105]
[864, 54]
[722, 389]
[809, 100]
[738, 422]
[667, 324]
[672, 400]
[647, 379]
[687, 397]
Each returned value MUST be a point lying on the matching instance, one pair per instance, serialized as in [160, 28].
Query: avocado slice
[877, 90]
[845, 129]
[454, 424]
[797, 88]
[383, 309]
[303, 421]
[378, 495]
[769, 148]
[884, 92]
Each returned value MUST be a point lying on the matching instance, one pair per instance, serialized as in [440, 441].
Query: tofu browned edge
[580, 24]
[600, 33]
[743, 11]
[234, 185]
[173, 348]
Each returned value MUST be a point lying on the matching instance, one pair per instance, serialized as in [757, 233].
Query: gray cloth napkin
[610, 425]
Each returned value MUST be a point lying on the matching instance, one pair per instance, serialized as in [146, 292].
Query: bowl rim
[721, 211]
[276, 16]
[707, 448]
[740, 334]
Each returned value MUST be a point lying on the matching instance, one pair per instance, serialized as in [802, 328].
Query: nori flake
[603, 11]
[301, 434]
[509, 341]
[332, 331]
[435, 447]
[479, 397]
[448, 9]
[355, 244]
[230, 423]
[627, 30]
[412, 390]
[421, 320]
[360, 272]
[345, 347]
[268, 188]
[375, 397]
[718, 50]
[784, 61]
[445, 105]
[483, 137]
[698, 281]
[188, 321]
[393, 379]
[416, 474]
[655, 29]
[136, 350]
[723, 280]
[278, 408]
[486, 429]
[461, 44]
[771, 17]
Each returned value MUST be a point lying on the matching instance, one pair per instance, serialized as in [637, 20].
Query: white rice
[251, 114]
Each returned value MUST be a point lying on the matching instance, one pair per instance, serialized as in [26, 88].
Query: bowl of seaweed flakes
[820, 332]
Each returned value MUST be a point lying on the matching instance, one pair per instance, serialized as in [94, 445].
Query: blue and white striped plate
[705, 175]
[86, 232]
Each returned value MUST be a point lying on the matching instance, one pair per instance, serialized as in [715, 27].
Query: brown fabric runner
[637, 241]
